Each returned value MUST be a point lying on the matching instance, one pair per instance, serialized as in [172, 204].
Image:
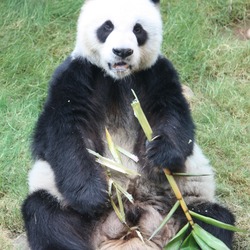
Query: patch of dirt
[242, 30]
[187, 92]
[21, 243]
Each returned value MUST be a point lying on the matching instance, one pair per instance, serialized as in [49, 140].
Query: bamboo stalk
[139, 114]
[178, 196]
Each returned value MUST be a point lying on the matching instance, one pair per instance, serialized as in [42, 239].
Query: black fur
[104, 31]
[219, 213]
[52, 227]
[141, 34]
[169, 116]
[69, 120]
[79, 102]
[82, 101]
[155, 1]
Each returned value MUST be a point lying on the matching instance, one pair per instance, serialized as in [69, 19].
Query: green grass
[199, 38]
[35, 37]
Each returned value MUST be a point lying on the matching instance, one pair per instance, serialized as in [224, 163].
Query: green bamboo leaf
[190, 174]
[201, 243]
[216, 223]
[210, 240]
[141, 117]
[190, 243]
[120, 203]
[112, 164]
[166, 219]
[176, 242]
[112, 147]
[124, 192]
[119, 215]
[128, 154]
[92, 152]
[115, 166]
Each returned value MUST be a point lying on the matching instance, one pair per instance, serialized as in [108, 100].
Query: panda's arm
[169, 115]
[69, 123]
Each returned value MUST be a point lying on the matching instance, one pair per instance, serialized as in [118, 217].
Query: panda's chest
[123, 131]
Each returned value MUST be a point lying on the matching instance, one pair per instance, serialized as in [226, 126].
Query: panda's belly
[112, 234]
[153, 200]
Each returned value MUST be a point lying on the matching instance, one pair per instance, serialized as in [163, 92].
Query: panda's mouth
[119, 66]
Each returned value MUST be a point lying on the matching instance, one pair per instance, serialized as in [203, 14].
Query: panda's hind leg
[51, 226]
[217, 212]
[199, 194]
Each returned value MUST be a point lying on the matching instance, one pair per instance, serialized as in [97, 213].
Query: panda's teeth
[120, 66]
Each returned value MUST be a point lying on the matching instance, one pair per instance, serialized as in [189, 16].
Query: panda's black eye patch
[104, 30]
[137, 28]
[141, 34]
[108, 26]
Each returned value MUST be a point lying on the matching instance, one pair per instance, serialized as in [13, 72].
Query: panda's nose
[123, 53]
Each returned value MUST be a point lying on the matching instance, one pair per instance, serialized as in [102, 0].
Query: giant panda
[68, 207]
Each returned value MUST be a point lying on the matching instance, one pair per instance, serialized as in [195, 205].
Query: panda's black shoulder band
[155, 1]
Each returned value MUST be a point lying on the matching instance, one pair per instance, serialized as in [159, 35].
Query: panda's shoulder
[163, 75]
[71, 70]
[164, 66]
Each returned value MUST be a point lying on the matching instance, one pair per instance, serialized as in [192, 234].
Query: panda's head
[119, 36]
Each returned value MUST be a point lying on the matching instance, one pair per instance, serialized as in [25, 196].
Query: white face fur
[119, 36]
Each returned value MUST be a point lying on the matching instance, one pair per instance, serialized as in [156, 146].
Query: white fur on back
[124, 14]
[198, 187]
[42, 177]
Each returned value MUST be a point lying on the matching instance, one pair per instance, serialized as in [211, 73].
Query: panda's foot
[217, 212]
[49, 225]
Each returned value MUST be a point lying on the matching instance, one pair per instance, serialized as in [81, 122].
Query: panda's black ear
[155, 1]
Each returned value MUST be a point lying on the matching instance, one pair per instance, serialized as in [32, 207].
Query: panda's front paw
[98, 203]
[92, 199]
[160, 153]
